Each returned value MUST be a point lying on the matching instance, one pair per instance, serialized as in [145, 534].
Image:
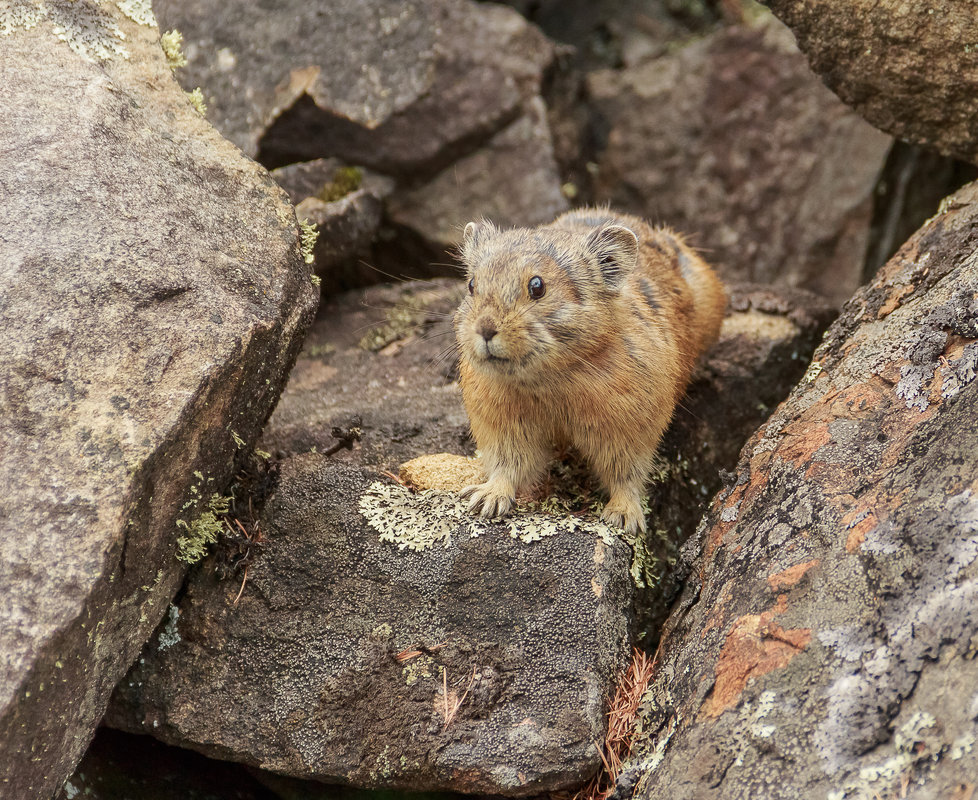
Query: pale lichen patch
[83, 25]
[139, 11]
[422, 520]
[170, 635]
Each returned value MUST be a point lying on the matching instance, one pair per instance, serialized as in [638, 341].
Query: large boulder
[911, 69]
[154, 297]
[733, 141]
[478, 662]
[824, 644]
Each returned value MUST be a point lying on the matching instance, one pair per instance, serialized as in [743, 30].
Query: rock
[512, 180]
[827, 620]
[346, 204]
[384, 356]
[398, 87]
[154, 298]
[910, 69]
[731, 140]
[336, 660]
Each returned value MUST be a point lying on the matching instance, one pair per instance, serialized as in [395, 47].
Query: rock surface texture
[480, 665]
[154, 297]
[732, 140]
[828, 620]
[909, 68]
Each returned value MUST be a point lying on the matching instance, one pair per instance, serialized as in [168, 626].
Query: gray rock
[733, 141]
[828, 622]
[909, 68]
[512, 180]
[398, 87]
[346, 204]
[303, 677]
[154, 297]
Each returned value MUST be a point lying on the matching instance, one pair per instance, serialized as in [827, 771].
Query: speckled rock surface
[153, 300]
[302, 676]
[397, 86]
[910, 68]
[732, 140]
[828, 622]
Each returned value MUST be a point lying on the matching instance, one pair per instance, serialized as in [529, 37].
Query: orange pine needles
[621, 728]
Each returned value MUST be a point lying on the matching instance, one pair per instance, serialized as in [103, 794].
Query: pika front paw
[624, 513]
[488, 500]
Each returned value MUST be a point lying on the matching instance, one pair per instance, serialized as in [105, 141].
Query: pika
[583, 332]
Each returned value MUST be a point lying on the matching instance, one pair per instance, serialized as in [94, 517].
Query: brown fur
[598, 362]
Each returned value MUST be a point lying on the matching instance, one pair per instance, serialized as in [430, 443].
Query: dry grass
[621, 729]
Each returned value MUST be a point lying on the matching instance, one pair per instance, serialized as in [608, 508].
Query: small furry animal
[582, 332]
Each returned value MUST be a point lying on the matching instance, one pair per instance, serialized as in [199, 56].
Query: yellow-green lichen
[171, 42]
[420, 521]
[345, 180]
[308, 233]
[417, 668]
[203, 531]
[196, 98]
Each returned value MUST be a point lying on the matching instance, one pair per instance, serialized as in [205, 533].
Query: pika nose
[487, 330]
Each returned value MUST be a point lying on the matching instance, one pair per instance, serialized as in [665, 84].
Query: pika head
[536, 297]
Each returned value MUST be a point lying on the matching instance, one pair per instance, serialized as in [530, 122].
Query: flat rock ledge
[385, 639]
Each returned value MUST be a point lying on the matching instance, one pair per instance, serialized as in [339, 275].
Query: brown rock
[399, 87]
[153, 300]
[827, 620]
[911, 69]
[479, 664]
[512, 181]
[734, 142]
[346, 204]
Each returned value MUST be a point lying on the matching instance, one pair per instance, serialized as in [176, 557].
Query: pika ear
[475, 232]
[615, 248]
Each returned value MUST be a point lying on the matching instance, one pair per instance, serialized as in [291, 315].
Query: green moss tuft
[345, 180]
[203, 531]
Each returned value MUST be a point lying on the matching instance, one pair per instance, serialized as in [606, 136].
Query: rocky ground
[168, 398]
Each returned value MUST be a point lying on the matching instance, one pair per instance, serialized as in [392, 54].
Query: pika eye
[471, 285]
[536, 287]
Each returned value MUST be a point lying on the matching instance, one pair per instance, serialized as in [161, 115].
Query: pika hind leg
[511, 463]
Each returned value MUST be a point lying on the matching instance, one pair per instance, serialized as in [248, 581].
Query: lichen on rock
[85, 26]
[418, 521]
